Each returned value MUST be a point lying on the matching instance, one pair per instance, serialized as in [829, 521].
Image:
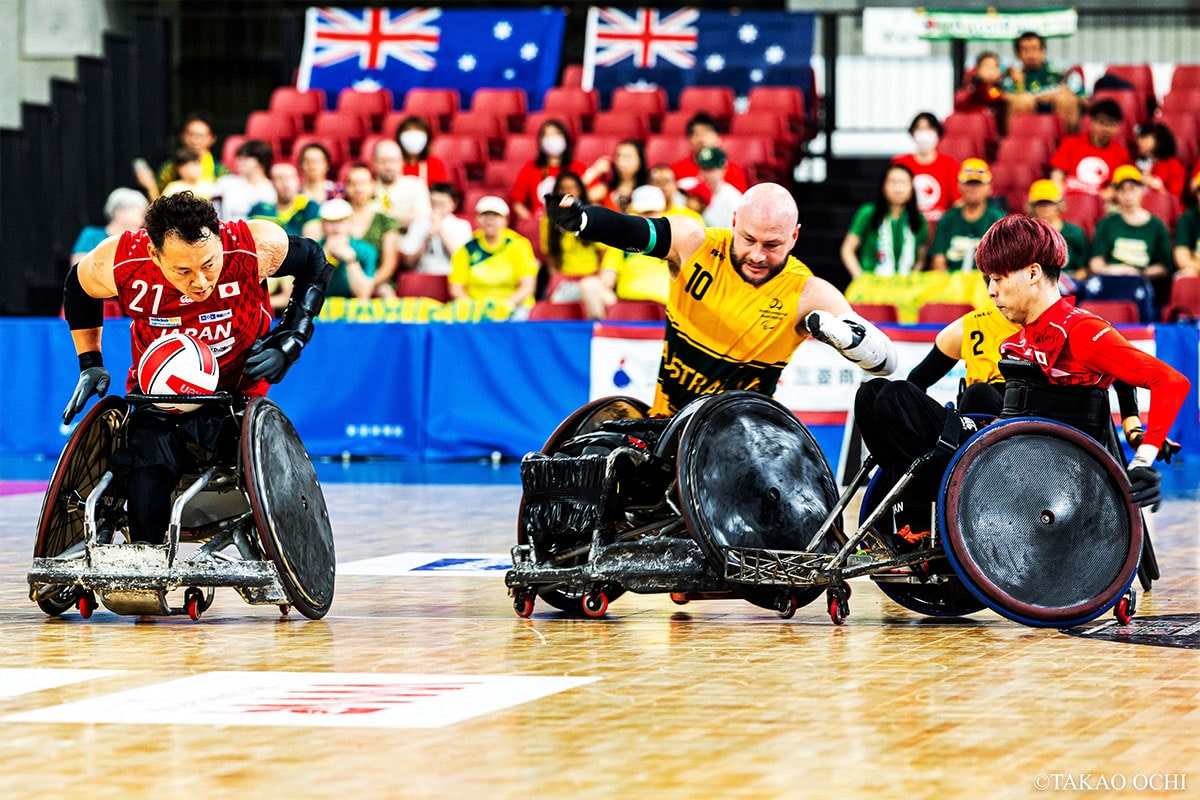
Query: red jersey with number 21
[228, 321]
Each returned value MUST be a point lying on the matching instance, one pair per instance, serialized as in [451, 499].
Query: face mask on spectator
[926, 140]
[554, 145]
[413, 141]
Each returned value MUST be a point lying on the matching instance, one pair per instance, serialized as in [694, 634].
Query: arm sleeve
[1126, 399]
[935, 366]
[1100, 348]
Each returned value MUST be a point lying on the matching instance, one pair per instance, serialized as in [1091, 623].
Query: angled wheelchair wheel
[1037, 522]
[83, 461]
[752, 476]
[288, 506]
[586, 419]
[949, 598]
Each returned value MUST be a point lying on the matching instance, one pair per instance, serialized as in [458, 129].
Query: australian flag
[690, 47]
[398, 49]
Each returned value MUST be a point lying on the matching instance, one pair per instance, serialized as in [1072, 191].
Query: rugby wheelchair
[257, 516]
[732, 497]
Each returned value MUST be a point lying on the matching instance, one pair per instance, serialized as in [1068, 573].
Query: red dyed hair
[1017, 241]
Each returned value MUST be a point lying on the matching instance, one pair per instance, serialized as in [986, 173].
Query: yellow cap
[974, 170]
[1196, 181]
[1126, 172]
[1044, 191]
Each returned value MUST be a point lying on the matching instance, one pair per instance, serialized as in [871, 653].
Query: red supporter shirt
[1088, 168]
[229, 321]
[735, 176]
[936, 183]
[533, 182]
[1074, 347]
[1171, 175]
[432, 170]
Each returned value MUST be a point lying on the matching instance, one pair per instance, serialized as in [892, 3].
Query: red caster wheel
[193, 603]
[1123, 611]
[595, 604]
[523, 604]
[839, 609]
[86, 604]
[787, 607]
[285, 609]
[679, 598]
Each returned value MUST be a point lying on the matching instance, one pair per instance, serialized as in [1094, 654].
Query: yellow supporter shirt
[639, 277]
[983, 331]
[493, 273]
[579, 258]
[723, 333]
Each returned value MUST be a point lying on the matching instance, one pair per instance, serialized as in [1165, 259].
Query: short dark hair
[183, 215]
[259, 150]
[197, 116]
[702, 118]
[442, 188]
[929, 117]
[1106, 108]
[1026, 36]
[186, 155]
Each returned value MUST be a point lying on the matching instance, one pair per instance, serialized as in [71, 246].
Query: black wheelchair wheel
[586, 419]
[1038, 523]
[288, 506]
[752, 476]
[82, 464]
[946, 598]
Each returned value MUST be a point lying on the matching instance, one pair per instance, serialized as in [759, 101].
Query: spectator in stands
[402, 197]
[1187, 231]
[626, 171]
[702, 133]
[723, 197]
[568, 257]
[315, 166]
[190, 170]
[196, 133]
[353, 260]
[629, 276]
[1157, 162]
[429, 243]
[292, 211]
[662, 176]
[235, 195]
[497, 264]
[888, 236]
[368, 224]
[1032, 85]
[556, 153]
[1133, 241]
[1046, 203]
[416, 140]
[125, 210]
[935, 174]
[983, 91]
[961, 228]
[1084, 163]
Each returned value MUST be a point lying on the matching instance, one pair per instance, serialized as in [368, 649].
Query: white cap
[491, 204]
[335, 209]
[647, 199]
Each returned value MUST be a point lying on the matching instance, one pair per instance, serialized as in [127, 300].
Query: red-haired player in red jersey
[189, 272]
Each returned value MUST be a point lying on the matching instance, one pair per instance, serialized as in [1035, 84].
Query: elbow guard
[81, 310]
[856, 339]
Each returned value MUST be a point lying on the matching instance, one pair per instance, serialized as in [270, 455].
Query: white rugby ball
[178, 364]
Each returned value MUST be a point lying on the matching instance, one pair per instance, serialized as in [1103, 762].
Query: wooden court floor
[710, 700]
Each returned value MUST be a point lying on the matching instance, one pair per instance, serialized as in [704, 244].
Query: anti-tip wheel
[523, 604]
[595, 604]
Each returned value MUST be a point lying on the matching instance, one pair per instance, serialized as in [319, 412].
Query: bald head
[764, 231]
[768, 204]
[386, 161]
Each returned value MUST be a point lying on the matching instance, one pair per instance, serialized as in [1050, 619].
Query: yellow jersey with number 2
[983, 331]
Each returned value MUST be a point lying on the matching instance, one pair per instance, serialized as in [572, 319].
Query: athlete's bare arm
[819, 295]
[271, 241]
[949, 339]
[95, 273]
[687, 235]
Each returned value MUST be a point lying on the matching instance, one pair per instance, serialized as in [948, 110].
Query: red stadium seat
[674, 123]
[1186, 129]
[1118, 312]
[758, 152]
[569, 120]
[349, 128]
[651, 103]
[509, 105]
[1185, 299]
[498, 176]
[519, 148]
[485, 127]
[975, 124]
[1014, 150]
[1133, 112]
[229, 152]
[1047, 127]
[465, 150]
[962, 147]
[371, 106]
[774, 128]
[1139, 76]
[877, 312]
[1162, 205]
[594, 145]
[666, 149]
[543, 310]
[622, 124]
[277, 130]
[1185, 76]
[942, 313]
[420, 284]
[637, 311]
[366, 151]
[332, 146]
[572, 77]
[302, 105]
[566, 101]
[1083, 210]
[786, 100]
[717, 101]
[1012, 180]
[435, 105]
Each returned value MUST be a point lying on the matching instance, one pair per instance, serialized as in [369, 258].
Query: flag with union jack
[692, 47]
[402, 48]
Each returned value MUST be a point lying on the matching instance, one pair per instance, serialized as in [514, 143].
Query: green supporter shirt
[1077, 246]
[1139, 246]
[1041, 80]
[1187, 230]
[868, 254]
[339, 284]
[957, 239]
[293, 218]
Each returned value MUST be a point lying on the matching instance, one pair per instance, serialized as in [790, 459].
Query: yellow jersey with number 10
[983, 331]
[724, 333]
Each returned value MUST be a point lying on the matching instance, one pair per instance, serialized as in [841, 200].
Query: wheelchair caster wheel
[86, 604]
[193, 602]
[595, 604]
[523, 604]
[787, 606]
[839, 608]
[679, 598]
[285, 609]
[1123, 611]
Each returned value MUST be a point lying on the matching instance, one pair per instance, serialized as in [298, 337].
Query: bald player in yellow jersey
[739, 303]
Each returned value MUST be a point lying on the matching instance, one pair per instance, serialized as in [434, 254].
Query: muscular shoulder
[95, 271]
[271, 242]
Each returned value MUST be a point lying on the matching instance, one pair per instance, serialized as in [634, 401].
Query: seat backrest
[759, 124]
[625, 124]
[943, 313]
[979, 124]
[229, 151]
[1186, 129]
[787, 100]
[877, 312]
[1023, 151]
[717, 101]
[436, 105]
[420, 284]
[1118, 312]
[594, 145]
[651, 101]
[1162, 205]
[674, 123]
[1048, 127]
[290, 100]
[333, 146]
[1185, 299]
[1083, 210]
[962, 147]
[666, 149]
[465, 150]
[508, 104]
[519, 148]
[637, 311]
[565, 99]
[543, 310]
[337, 124]
[371, 106]
[1140, 76]
[275, 128]
[566, 117]
[572, 77]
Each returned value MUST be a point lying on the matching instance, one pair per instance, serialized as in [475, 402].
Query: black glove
[1165, 453]
[569, 219]
[273, 355]
[1146, 486]
[93, 380]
